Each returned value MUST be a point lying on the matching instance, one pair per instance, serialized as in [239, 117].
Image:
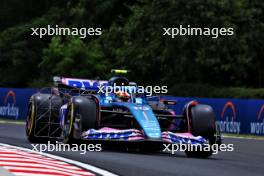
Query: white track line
[46, 170]
[242, 137]
[26, 174]
[38, 166]
[77, 163]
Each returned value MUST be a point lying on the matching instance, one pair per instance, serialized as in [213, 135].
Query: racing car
[81, 110]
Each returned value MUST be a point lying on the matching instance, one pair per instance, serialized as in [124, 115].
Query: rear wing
[83, 84]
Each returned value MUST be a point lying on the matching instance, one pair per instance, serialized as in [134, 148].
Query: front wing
[137, 135]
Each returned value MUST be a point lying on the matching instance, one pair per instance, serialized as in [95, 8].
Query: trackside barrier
[13, 102]
[238, 116]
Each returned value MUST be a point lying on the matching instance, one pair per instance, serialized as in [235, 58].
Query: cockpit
[118, 81]
[119, 86]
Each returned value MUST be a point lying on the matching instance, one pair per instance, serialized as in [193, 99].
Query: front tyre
[82, 114]
[202, 123]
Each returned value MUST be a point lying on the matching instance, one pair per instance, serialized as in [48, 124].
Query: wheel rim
[68, 123]
[30, 119]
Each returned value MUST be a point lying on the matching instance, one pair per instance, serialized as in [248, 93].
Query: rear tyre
[43, 109]
[30, 123]
[82, 114]
[202, 120]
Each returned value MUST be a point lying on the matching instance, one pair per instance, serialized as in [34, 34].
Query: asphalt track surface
[246, 159]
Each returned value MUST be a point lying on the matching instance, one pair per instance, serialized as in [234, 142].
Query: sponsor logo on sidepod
[228, 121]
[258, 126]
[9, 109]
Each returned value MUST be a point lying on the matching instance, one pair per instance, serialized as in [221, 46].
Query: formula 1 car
[79, 109]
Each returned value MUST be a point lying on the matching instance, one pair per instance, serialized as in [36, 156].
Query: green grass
[246, 136]
[19, 122]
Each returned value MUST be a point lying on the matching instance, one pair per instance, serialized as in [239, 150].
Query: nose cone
[148, 121]
[153, 134]
[151, 128]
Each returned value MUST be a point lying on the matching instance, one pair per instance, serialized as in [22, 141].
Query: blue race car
[80, 109]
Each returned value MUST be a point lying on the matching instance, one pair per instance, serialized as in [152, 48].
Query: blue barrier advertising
[13, 102]
[237, 116]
